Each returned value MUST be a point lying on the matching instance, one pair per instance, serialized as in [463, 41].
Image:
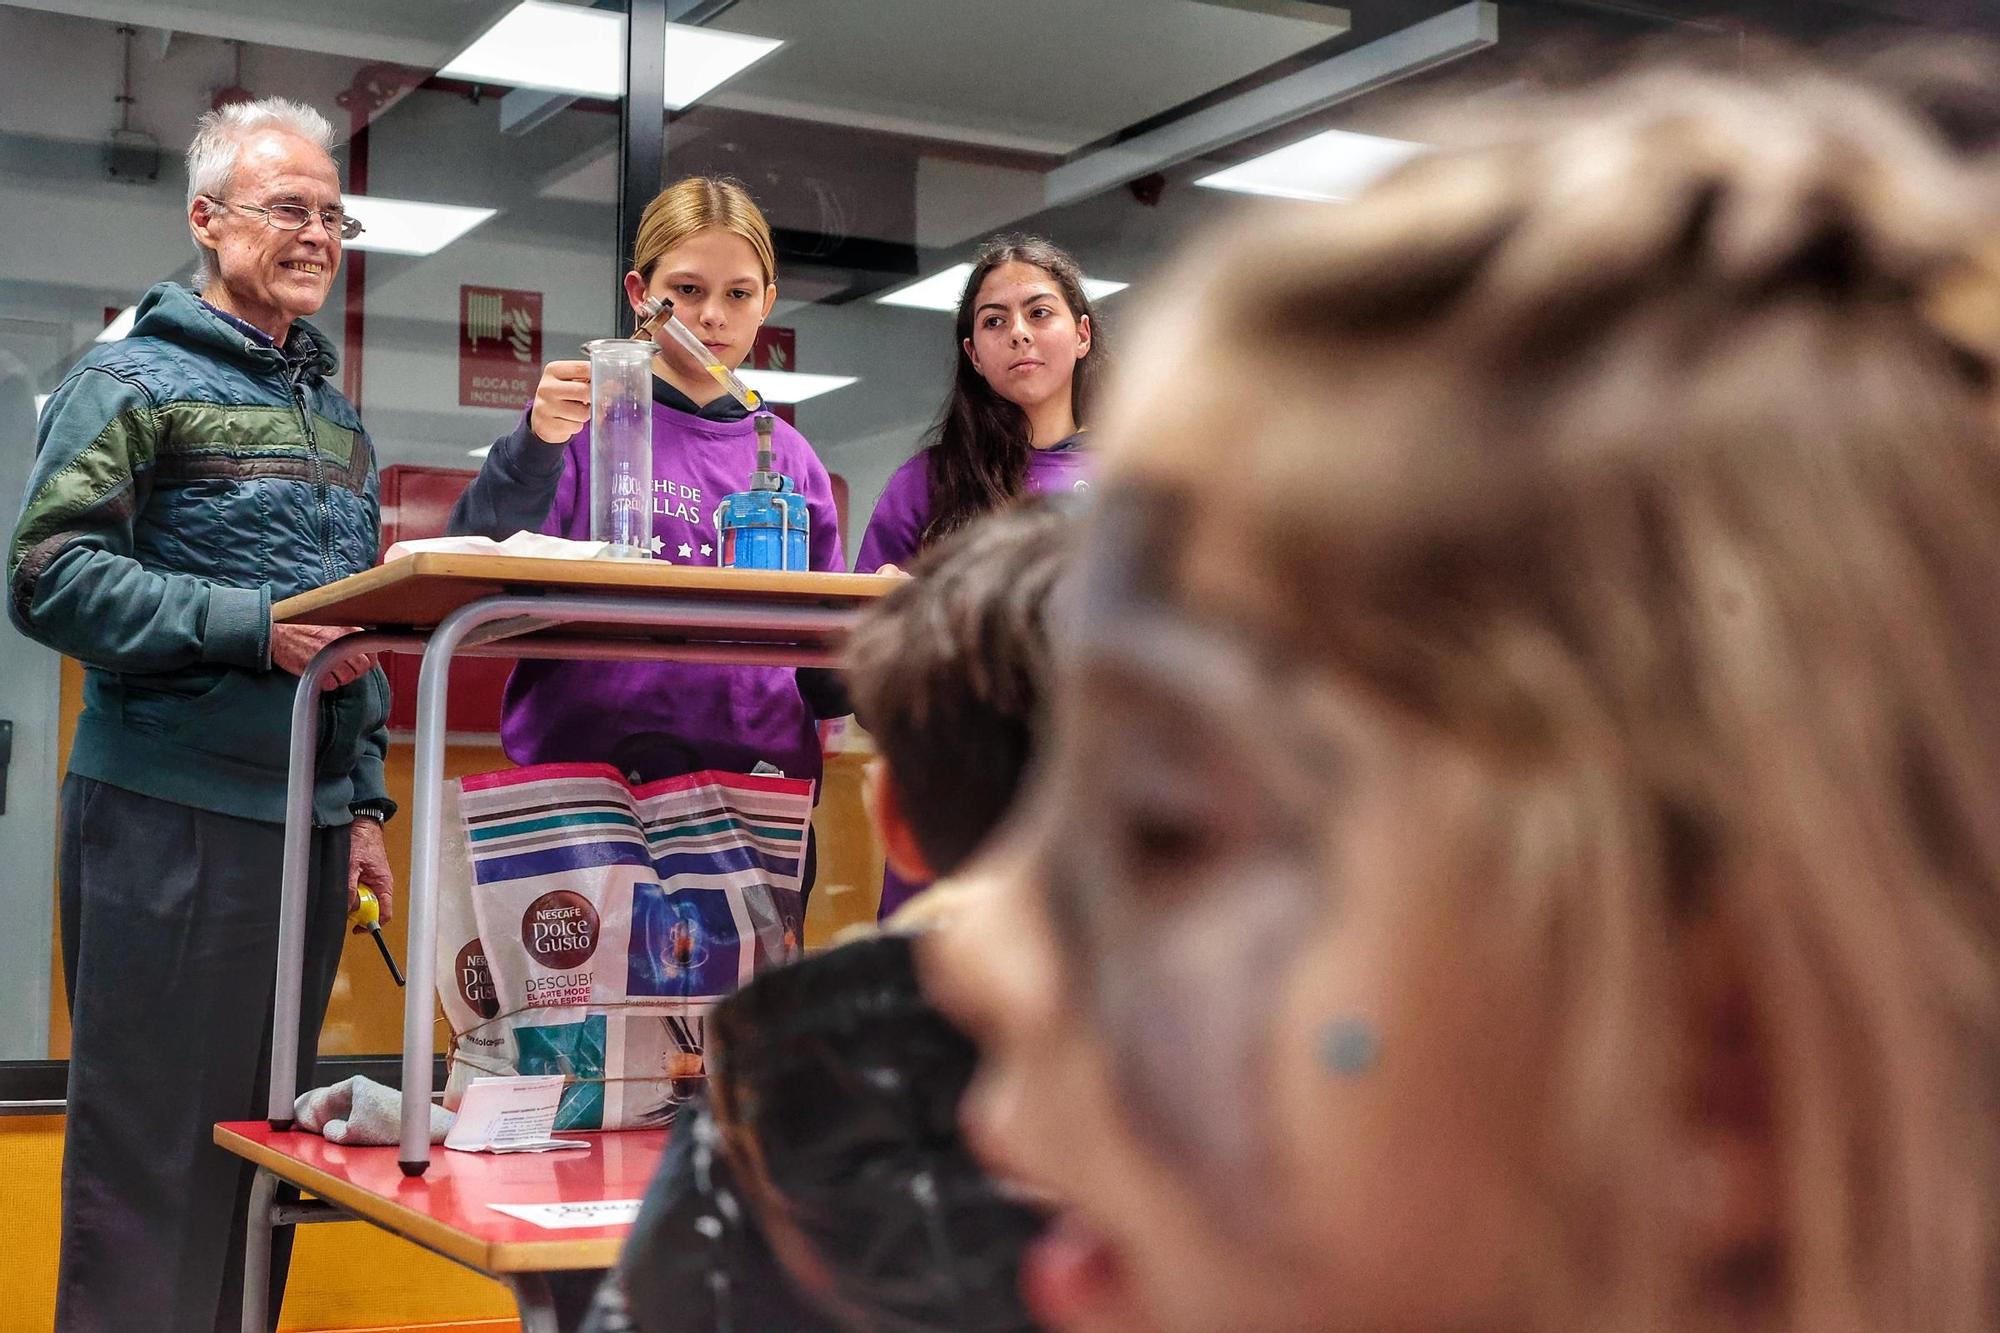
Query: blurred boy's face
[1228, 1019]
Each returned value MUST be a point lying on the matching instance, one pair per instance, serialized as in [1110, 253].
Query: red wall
[416, 502]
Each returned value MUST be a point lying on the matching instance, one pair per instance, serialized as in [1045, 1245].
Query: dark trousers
[170, 940]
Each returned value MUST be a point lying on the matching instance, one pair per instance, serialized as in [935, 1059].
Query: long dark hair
[980, 446]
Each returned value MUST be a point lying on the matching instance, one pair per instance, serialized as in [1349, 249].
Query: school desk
[444, 606]
[448, 1210]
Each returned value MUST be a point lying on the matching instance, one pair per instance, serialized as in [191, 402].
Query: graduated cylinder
[621, 445]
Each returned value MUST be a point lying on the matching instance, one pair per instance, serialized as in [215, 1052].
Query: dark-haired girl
[1015, 419]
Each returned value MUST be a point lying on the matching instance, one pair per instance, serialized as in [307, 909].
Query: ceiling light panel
[940, 291]
[700, 60]
[408, 226]
[937, 292]
[1336, 164]
[569, 49]
[560, 48]
[790, 386]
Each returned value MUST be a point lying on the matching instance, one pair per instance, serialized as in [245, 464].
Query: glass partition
[491, 154]
[491, 242]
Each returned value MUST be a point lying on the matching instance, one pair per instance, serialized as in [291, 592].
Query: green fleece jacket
[186, 477]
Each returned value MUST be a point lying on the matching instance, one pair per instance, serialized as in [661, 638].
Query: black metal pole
[642, 131]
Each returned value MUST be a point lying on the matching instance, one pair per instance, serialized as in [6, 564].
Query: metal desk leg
[257, 1254]
[297, 867]
[292, 904]
[267, 1214]
[426, 841]
[535, 1301]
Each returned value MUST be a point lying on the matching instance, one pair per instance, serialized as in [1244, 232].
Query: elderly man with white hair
[186, 478]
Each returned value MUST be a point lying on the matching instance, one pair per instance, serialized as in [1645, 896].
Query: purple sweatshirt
[896, 530]
[654, 719]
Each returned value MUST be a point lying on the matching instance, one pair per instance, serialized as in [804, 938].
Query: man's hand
[294, 646]
[368, 863]
[562, 402]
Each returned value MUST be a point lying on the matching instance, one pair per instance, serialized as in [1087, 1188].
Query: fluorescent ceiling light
[562, 48]
[569, 49]
[937, 292]
[481, 451]
[118, 327]
[702, 59]
[1337, 164]
[789, 386]
[408, 226]
[940, 290]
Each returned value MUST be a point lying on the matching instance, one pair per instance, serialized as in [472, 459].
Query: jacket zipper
[316, 471]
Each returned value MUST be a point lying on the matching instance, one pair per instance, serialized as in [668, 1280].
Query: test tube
[621, 445]
[659, 316]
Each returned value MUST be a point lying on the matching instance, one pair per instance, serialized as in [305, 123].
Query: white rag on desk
[359, 1110]
[521, 543]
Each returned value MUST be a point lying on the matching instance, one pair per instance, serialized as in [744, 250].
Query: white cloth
[521, 543]
[361, 1111]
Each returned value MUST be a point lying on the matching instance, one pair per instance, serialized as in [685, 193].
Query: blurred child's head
[818, 1181]
[835, 1086]
[1521, 841]
[948, 672]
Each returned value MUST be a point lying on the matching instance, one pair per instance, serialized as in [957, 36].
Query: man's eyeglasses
[292, 217]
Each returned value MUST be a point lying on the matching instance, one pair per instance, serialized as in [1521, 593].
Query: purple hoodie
[654, 719]
[896, 530]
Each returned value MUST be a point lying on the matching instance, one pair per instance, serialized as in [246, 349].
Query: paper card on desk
[521, 543]
[510, 1115]
[564, 1216]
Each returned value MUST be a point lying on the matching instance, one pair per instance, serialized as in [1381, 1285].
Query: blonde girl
[704, 244]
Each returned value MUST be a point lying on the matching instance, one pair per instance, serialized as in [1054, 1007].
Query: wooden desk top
[446, 1209]
[418, 591]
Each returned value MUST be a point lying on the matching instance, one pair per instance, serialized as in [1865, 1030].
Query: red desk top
[446, 1209]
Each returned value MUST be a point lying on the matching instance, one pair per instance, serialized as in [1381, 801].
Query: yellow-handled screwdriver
[367, 914]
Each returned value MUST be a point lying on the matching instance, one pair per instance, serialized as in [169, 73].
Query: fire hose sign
[499, 347]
